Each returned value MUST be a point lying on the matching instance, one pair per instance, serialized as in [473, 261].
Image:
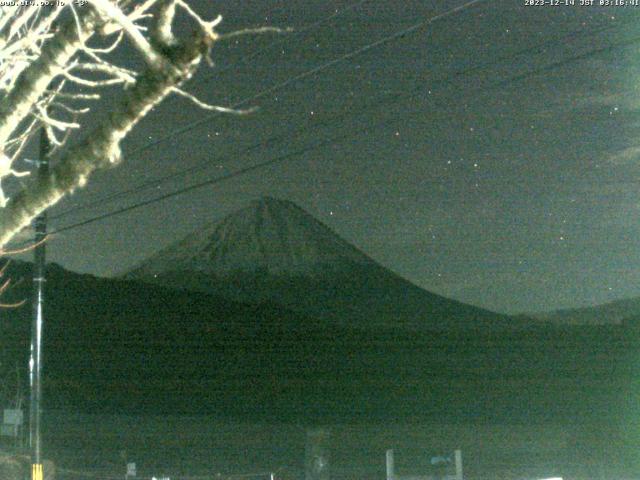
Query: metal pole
[35, 361]
[390, 466]
[458, 459]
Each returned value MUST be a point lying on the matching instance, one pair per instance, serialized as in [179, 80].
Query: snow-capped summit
[274, 251]
[270, 236]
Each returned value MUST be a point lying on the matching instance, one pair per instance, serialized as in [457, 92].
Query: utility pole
[391, 474]
[458, 462]
[35, 361]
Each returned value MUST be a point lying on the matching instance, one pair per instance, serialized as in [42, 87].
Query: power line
[206, 165]
[287, 134]
[305, 29]
[317, 145]
[301, 31]
[582, 56]
[213, 181]
[244, 59]
[308, 73]
[313, 71]
[416, 26]
[190, 126]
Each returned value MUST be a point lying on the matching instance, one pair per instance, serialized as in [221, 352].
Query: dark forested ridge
[118, 346]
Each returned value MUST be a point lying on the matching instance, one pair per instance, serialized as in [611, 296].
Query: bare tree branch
[36, 78]
[113, 12]
[102, 146]
[49, 72]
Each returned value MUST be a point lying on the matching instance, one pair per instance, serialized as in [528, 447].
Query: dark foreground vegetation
[125, 347]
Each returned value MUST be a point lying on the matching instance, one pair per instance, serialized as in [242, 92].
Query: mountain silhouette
[273, 250]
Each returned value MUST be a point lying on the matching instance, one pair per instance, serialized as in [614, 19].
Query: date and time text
[582, 3]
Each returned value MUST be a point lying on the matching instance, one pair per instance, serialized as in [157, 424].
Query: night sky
[487, 157]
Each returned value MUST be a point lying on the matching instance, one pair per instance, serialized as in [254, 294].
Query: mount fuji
[274, 251]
